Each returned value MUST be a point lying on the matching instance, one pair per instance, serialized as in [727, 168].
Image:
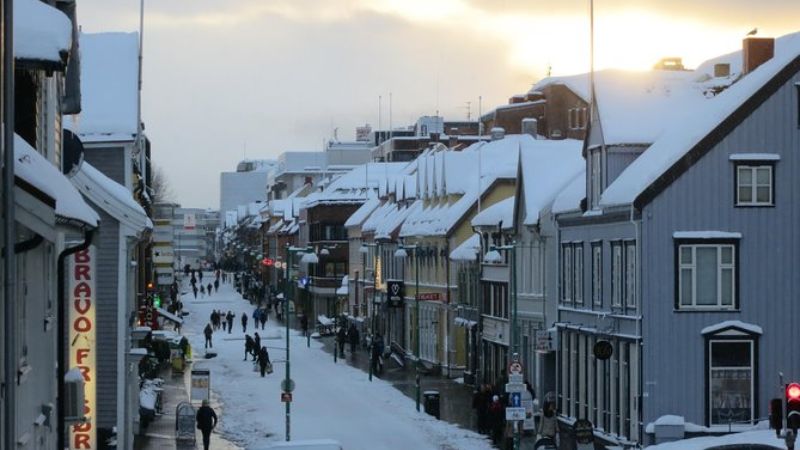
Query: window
[616, 274]
[596, 177]
[730, 381]
[495, 299]
[597, 274]
[630, 274]
[566, 288]
[754, 185]
[578, 274]
[707, 275]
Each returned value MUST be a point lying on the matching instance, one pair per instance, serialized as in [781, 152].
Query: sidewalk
[160, 434]
[455, 399]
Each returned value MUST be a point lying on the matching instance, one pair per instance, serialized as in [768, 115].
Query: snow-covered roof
[548, 167]
[569, 199]
[468, 250]
[697, 121]
[41, 32]
[732, 324]
[109, 86]
[352, 186]
[392, 221]
[114, 198]
[502, 211]
[34, 169]
[363, 212]
[706, 234]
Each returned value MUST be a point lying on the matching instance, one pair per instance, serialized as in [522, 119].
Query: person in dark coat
[377, 352]
[256, 345]
[248, 346]
[304, 324]
[263, 360]
[497, 420]
[202, 290]
[244, 323]
[208, 288]
[194, 290]
[208, 332]
[229, 318]
[341, 337]
[480, 402]
[200, 275]
[206, 421]
[352, 335]
[216, 285]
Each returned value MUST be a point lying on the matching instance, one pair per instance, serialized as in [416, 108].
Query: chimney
[497, 133]
[756, 51]
[530, 126]
[722, 70]
[434, 137]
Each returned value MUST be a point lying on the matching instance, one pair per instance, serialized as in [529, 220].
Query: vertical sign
[189, 221]
[201, 385]
[83, 342]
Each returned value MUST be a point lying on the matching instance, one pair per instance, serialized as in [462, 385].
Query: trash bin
[432, 403]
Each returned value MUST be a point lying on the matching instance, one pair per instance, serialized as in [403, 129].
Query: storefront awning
[168, 315]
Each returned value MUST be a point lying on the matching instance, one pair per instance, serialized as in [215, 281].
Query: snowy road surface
[330, 400]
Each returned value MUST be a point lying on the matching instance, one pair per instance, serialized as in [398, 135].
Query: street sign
[515, 387]
[515, 413]
[395, 290]
[286, 397]
[287, 387]
[603, 350]
[545, 342]
[515, 399]
[516, 378]
[515, 368]
[515, 357]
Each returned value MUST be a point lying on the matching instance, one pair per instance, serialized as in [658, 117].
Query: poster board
[201, 386]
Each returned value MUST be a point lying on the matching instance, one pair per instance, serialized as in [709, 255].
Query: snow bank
[41, 32]
[764, 437]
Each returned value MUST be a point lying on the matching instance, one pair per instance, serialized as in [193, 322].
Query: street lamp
[364, 249]
[402, 254]
[493, 256]
[286, 283]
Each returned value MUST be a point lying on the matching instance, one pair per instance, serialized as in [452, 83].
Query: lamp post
[493, 256]
[402, 254]
[308, 258]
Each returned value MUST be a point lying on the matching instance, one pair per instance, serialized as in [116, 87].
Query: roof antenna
[752, 32]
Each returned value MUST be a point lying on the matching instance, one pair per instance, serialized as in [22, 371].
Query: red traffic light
[267, 262]
[793, 392]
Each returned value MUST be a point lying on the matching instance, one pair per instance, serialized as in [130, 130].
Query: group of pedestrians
[260, 315]
[490, 402]
[350, 335]
[253, 347]
[198, 276]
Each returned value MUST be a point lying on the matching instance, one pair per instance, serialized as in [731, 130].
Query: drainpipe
[447, 310]
[9, 232]
[479, 327]
[638, 234]
[61, 331]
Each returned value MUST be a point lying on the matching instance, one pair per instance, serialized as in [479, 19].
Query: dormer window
[596, 174]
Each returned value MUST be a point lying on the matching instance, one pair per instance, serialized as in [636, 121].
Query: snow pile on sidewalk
[332, 401]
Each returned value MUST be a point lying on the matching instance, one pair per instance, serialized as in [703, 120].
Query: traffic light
[793, 406]
[157, 301]
[776, 415]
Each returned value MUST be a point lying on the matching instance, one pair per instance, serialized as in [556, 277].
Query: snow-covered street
[330, 400]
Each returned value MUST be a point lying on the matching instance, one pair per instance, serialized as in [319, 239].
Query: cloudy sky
[225, 79]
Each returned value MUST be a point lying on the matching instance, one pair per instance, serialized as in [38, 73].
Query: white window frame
[596, 174]
[753, 169]
[567, 274]
[710, 368]
[692, 266]
[597, 274]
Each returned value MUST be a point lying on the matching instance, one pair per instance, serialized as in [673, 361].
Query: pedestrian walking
[352, 335]
[304, 324]
[216, 285]
[377, 353]
[256, 345]
[548, 425]
[208, 288]
[480, 402]
[200, 276]
[263, 360]
[208, 332]
[206, 421]
[341, 337]
[193, 280]
[202, 291]
[248, 346]
[263, 318]
[194, 289]
[244, 323]
[497, 420]
[229, 318]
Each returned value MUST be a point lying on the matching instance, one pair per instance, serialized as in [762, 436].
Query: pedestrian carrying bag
[269, 367]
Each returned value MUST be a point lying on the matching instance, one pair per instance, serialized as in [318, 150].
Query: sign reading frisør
[83, 342]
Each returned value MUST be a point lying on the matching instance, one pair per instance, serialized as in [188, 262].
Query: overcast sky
[229, 78]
